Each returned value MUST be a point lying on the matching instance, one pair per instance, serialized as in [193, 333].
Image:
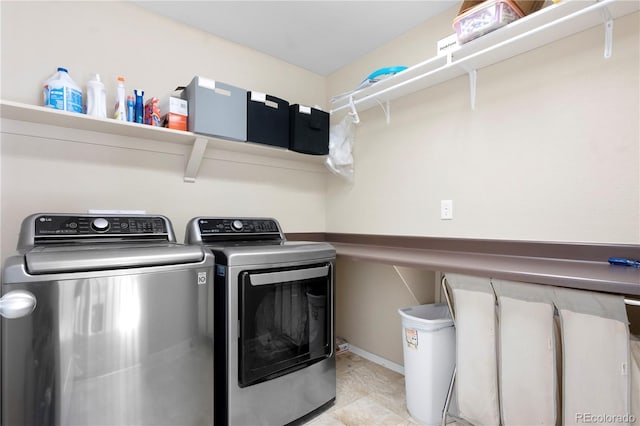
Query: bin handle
[447, 402]
[446, 295]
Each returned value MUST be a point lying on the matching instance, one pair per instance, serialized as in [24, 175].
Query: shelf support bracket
[608, 32]
[193, 165]
[387, 111]
[354, 111]
[386, 108]
[473, 77]
[608, 38]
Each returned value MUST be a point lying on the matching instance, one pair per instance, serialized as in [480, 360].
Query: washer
[106, 320]
[274, 321]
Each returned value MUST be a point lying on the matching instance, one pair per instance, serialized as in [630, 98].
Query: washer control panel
[210, 226]
[55, 225]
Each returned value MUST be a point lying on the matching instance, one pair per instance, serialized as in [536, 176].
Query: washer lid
[84, 258]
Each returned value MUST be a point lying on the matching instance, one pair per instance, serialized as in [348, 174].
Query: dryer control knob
[237, 225]
[100, 224]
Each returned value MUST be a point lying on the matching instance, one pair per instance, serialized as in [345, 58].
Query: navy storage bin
[309, 130]
[267, 119]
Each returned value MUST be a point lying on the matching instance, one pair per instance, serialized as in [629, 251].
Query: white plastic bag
[341, 138]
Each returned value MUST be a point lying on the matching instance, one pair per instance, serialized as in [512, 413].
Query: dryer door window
[285, 321]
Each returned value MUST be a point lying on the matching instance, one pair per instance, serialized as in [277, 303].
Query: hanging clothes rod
[631, 302]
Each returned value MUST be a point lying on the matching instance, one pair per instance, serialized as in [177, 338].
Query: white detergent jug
[61, 92]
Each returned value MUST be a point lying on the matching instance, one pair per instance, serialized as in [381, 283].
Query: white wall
[117, 38]
[368, 297]
[53, 172]
[552, 151]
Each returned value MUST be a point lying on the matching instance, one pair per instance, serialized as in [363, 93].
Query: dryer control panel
[232, 229]
[237, 226]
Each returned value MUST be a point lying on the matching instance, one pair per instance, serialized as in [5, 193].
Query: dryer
[106, 320]
[274, 321]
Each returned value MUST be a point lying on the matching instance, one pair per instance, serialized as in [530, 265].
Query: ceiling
[320, 36]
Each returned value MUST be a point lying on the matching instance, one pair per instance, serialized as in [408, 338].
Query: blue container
[139, 106]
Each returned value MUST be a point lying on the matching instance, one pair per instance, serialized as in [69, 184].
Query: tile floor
[367, 394]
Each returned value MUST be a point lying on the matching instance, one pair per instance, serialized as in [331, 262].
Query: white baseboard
[377, 359]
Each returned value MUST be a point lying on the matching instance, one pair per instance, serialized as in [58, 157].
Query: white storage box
[174, 112]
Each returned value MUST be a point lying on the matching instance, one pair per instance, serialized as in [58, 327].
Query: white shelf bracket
[473, 77]
[387, 111]
[354, 111]
[608, 38]
[608, 31]
[193, 165]
[386, 108]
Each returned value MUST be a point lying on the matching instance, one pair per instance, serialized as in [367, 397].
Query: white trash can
[429, 348]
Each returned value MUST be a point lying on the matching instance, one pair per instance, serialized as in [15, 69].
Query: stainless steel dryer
[274, 321]
[106, 320]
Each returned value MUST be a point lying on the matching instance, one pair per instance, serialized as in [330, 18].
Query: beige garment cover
[595, 348]
[527, 352]
[476, 357]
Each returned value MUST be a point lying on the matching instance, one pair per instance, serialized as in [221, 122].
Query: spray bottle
[120, 112]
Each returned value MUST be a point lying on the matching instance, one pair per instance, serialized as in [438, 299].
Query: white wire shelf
[552, 23]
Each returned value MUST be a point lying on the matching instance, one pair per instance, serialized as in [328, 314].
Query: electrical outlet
[446, 209]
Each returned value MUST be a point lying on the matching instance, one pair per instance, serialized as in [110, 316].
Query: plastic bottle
[96, 97]
[130, 109]
[152, 112]
[139, 107]
[120, 112]
[61, 92]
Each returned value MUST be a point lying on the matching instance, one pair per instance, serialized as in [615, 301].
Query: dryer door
[286, 319]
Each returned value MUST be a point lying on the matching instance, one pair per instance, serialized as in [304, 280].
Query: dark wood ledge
[577, 265]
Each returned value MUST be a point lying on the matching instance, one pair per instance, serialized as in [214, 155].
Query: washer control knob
[100, 224]
[237, 225]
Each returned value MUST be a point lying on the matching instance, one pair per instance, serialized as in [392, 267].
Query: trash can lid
[430, 315]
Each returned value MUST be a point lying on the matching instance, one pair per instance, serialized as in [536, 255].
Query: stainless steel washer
[106, 321]
[274, 321]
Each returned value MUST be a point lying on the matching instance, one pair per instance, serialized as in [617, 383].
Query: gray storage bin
[216, 109]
